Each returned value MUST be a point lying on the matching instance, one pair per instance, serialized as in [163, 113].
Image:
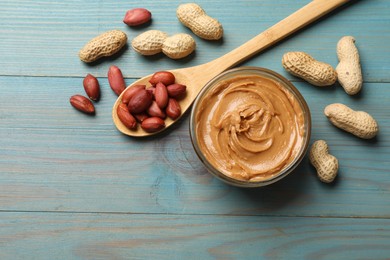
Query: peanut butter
[249, 127]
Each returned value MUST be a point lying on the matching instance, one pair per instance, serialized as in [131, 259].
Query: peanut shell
[149, 42]
[178, 46]
[104, 45]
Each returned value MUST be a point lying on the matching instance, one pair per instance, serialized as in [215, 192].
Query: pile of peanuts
[349, 74]
[151, 105]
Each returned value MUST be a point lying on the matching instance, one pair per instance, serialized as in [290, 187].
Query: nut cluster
[348, 73]
[151, 105]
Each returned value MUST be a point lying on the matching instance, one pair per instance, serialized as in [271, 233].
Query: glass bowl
[250, 134]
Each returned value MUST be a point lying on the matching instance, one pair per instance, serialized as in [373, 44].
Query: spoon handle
[304, 16]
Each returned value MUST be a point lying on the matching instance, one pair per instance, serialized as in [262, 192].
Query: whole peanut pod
[104, 45]
[301, 64]
[149, 42]
[194, 17]
[178, 46]
[358, 123]
[349, 71]
[326, 164]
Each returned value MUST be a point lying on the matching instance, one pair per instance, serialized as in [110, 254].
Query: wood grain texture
[55, 158]
[36, 35]
[111, 236]
[73, 187]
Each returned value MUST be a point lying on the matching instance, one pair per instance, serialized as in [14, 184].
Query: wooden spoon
[196, 77]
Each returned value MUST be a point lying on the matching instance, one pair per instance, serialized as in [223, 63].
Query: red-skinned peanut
[161, 95]
[91, 87]
[82, 104]
[140, 101]
[155, 110]
[130, 91]
[116, 80]
[176, 90]
[165, 77]
[137, 16]
[153, 124]
[125, 117]
[173, 109]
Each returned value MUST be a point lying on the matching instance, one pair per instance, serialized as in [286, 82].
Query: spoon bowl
[188, 76]
[196, 77]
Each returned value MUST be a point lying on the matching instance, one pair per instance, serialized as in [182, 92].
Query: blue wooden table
[73, 187]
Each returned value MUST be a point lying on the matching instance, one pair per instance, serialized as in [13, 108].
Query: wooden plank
[43, 38]
[54, 158]
[126, 236]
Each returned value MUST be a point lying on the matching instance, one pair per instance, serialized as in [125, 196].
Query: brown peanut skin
[125, 117]
[129, 92]
[153, 124]
[116, 80]
[91, 87]
[141, 117]
[155, 110]
[176, 90]
[165, 77]
[173, 109]
[152, 90]
[82, 104]
[137, 16]
[140, 102]
[161, 95]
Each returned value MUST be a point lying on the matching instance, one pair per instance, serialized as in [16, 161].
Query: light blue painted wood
[44, 37]
[73, 187]
[55, 158]
[112, 236]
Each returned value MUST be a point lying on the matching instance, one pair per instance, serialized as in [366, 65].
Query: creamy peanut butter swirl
[249, 127]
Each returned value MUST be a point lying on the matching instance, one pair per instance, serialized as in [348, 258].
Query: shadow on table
[292, 191]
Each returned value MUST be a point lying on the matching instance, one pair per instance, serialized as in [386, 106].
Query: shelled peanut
[151, 105]
[137, 16]
[92, 89]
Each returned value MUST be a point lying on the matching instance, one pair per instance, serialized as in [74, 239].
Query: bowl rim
[285, 171]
